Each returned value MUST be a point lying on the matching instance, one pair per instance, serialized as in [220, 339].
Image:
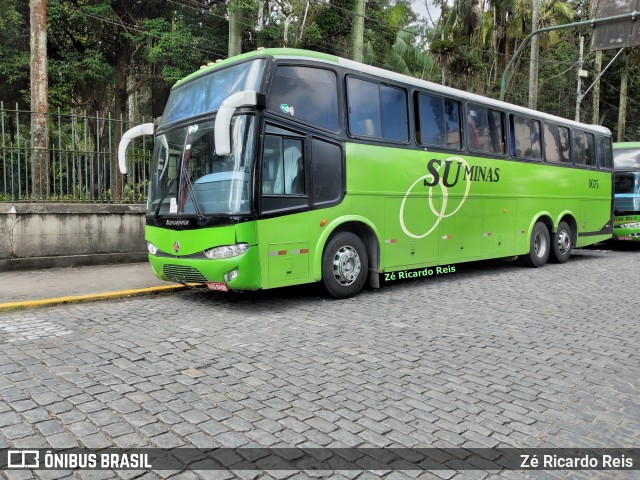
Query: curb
[91, 297]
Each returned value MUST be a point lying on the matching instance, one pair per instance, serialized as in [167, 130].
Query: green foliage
[329, 21]
[442, 47]
[173, 46]
[466, 63]
[14, 50]
[272, 34]
[312, 34]
[246, 5]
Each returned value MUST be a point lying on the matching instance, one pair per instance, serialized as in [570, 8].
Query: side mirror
[248, 98]
[138, 131]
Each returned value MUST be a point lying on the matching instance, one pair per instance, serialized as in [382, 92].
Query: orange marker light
[504, 211]
[323, 222]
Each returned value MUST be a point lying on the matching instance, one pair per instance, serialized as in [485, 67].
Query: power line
[140, 30]
[205, 9]
[194, 4]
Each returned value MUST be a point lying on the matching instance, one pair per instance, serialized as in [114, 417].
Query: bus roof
[298, 54]
[624, 145]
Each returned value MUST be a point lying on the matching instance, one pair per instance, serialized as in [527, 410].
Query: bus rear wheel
[561, 250]
[539, 246]
[344, 265]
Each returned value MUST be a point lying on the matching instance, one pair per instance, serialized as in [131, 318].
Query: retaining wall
[47, 235]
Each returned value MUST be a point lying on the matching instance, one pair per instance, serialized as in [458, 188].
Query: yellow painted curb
[88, 297]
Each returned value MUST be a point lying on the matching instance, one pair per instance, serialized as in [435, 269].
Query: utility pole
[39, 98]
[579, 88]
[535, 56]
[358, 30]
[525, 41]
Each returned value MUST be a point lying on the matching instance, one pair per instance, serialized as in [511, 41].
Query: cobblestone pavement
[493, 355]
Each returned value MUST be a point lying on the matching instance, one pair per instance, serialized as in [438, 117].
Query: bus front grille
[183, 274]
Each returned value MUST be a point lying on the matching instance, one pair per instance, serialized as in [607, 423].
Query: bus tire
[561, 247]
[539, 246]
[344, 265]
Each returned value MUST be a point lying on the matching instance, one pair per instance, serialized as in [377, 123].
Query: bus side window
[308, 94]
[584, 148]
[486, 132]
[377, 111]
[282, 166]
[364, 108]
[525, 133]
[605, 154]
[293, 177]
[556, 144]
[327, 172]
[439, 121]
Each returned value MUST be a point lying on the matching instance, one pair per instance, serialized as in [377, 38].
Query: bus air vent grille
[183, 274]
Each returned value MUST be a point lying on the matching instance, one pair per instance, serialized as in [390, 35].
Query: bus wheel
[344, 265]
[562, 243]
[539, 246]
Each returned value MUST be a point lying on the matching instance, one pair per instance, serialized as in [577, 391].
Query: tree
[14, 51]
[235, 28]
[39, 98]
[408, 55]
[358, 30]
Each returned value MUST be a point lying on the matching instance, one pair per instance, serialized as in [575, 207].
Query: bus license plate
[217, 286]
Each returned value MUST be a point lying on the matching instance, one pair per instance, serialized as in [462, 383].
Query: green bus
[626, 162]
[281, 167]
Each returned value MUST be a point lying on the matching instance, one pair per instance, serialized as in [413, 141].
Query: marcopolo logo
[453, 177]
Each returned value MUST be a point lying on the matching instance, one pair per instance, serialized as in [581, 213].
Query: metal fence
[81, 158]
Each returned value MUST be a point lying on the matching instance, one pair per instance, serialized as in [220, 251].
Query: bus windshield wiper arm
[193, 194]
[157, 212]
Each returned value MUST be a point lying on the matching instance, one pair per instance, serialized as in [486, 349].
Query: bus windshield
[626, 183]
[189, 178]
[205, 93]
[626, 159]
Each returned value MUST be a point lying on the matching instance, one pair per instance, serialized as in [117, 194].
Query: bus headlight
[152, 248]
[630, 225]
[227, 251]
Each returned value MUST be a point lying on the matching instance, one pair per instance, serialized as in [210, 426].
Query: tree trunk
[120, 102]
[304, 21]
[39, 99]
[595, 119]
[235, 29]
[263, 14]
[535, 53]
[622, 111]
[358, 30]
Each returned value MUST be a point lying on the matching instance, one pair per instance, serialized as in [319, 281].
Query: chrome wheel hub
[540, 245]
[564, 241]
[346, 265]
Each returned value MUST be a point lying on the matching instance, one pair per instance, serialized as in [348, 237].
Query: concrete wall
[47, 235]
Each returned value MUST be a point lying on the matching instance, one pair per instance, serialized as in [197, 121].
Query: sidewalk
[34, 288]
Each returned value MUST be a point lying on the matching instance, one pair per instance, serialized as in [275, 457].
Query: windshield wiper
[192, 194]
[157, 212]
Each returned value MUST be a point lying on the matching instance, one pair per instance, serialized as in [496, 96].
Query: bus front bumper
[235, 273]
[627, 228]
